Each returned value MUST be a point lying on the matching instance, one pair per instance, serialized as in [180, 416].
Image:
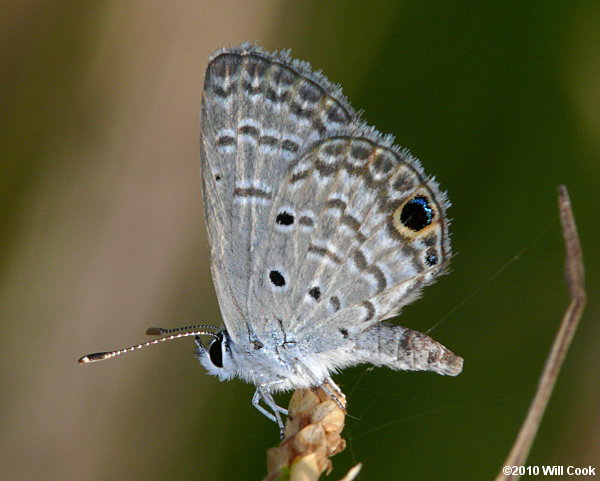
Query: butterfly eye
[215, 351]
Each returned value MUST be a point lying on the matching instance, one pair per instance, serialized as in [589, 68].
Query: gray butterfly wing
[260, 112]
[368, 232]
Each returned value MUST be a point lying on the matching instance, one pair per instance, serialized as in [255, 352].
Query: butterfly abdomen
[403, 349]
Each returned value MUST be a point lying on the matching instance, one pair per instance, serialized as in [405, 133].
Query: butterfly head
[216, 358]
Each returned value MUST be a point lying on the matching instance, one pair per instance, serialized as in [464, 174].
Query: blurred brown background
[103, 233]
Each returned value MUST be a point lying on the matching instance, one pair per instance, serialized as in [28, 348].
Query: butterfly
[319, 229]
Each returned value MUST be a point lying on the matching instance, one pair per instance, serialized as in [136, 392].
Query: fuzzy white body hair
[295, 365]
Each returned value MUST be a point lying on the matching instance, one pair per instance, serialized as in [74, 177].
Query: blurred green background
[103, 232]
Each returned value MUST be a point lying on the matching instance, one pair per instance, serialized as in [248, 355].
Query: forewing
[260, 114]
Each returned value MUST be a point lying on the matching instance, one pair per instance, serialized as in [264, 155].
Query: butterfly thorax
[282, 364]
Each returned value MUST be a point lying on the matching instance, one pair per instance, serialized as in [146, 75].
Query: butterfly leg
[263, 393]
[334, 392]
[256, 403]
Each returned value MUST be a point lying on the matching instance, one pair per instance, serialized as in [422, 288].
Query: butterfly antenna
[101, 356]
[160, 331]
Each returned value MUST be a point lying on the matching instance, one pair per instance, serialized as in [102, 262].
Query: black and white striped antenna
[176, 333]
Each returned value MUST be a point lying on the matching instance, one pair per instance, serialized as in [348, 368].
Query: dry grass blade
[312, 435]
[574, 273]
